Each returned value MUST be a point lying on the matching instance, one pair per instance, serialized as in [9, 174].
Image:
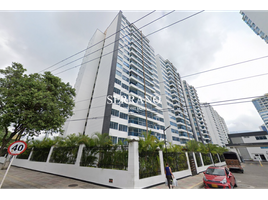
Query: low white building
[250, 145]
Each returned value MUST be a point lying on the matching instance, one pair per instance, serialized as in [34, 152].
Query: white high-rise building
[261, 105]
[123, 89]
[173, 100]
[196, 116]
[257, 21]
[216, 125]
[117, 75]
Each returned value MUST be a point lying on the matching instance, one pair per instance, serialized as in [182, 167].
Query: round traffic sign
[17, 148]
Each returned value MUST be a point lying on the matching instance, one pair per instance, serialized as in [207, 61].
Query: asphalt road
[255, 176]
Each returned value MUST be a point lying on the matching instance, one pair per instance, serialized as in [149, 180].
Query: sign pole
[6, 171]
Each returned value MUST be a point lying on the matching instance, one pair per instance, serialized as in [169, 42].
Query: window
[119, 65]
[124, 86]
[122, 128]
[115, 112]
[261, 137]
[126, 71]
[125, 78]
[125, 57]
[124, 94]
[117, 81]
[114, 139]
[118, 73]
[117, 91]
[119, 58]
[126, 64]
[123, 116]
[114, 125]
[123, 140]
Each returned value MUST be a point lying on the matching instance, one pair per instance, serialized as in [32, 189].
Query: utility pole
[165, 138]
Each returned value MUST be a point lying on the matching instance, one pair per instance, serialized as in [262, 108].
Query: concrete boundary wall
[128, 179]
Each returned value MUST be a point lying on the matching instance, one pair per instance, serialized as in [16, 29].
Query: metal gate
[192, 163]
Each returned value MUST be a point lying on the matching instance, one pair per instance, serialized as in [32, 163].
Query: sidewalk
[190, 182]
[20, 178]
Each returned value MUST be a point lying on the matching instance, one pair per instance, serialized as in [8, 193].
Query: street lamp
[165, 138]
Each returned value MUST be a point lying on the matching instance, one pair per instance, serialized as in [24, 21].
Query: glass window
[126, 71]
[124, 86]
[119, 65]
[124, 94]
[122, 128]
[115, 112]
[117, 91]
[120, 58]
[125, 78]
[123, 116]
[118, 73]
[117, 81]
[113, 125]
[126, 64]
[114, 139]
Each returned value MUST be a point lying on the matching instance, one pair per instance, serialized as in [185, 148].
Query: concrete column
[195, 161]
[219, 158]
[133, 162]
[162, 164]
[188, 161]
[79, 154]
[201, 159]
[30, 155]
[49, 154]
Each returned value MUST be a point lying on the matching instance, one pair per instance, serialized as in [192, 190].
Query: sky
[38, 39]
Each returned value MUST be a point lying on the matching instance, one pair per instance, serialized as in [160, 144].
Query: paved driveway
[20, 178]
[255, 176]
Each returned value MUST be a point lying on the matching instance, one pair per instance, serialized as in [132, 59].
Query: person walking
[169, 175]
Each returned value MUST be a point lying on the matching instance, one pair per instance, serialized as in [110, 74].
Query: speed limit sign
[17, 148]
[14, 149]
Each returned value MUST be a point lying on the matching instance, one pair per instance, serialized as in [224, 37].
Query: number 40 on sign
[17, 148]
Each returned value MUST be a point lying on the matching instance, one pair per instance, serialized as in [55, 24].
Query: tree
[149, 142]
[31, 104]
[192, 146]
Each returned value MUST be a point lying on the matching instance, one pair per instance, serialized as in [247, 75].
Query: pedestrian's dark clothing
[168, 176]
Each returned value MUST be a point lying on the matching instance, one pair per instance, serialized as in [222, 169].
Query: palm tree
[192, 146]
[149, 142]
[102, 140]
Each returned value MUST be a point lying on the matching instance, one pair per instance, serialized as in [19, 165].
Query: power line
[112, 116]
[111, 42]
[216, 103]
[225, 66]
[239, 79]
[136, 41]
[96, 43]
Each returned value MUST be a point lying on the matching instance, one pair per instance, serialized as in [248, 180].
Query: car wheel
[235, 185]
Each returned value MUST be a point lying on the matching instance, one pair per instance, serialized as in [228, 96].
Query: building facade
[117, 85]
[196, 116]
[261, 105]
[250, 145]
[216, 125]
[124, 89]
[257, 21]
[173, 100]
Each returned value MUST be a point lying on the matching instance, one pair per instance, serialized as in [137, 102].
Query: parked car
[233, 161]
[218, 177]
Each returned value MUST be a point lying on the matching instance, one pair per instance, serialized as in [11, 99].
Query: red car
[218, 177]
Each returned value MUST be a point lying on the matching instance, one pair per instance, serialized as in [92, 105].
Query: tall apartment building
[196, 116]
[216, 125]
[173, 99]
[261, 105]
[257, 21]
[123, 89]
[117, 85]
